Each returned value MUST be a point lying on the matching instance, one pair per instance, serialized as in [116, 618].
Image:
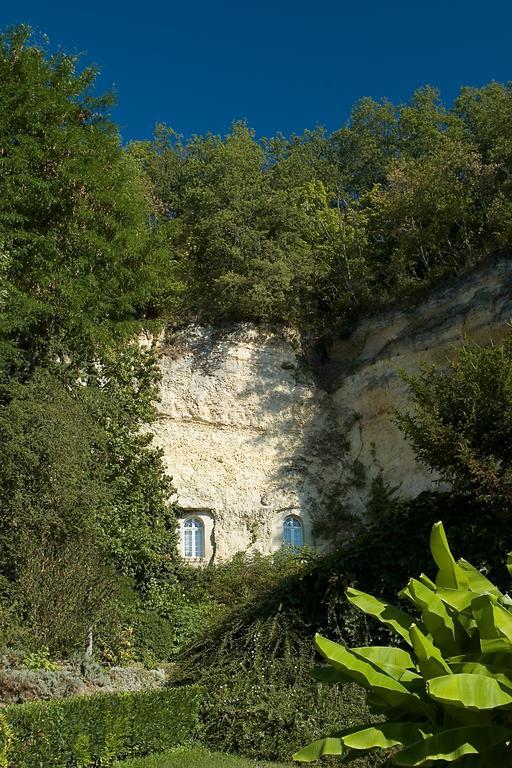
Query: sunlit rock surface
[256, 424]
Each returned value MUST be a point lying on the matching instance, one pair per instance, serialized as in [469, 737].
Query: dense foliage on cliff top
[316, 229]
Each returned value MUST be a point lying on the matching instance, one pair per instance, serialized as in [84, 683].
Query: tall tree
[82, 266]
[74, 212]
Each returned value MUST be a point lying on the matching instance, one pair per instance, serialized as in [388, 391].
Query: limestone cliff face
[477, 307]
[245, 432]
[250, 436]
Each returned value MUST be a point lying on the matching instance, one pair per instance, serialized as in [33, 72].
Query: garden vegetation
[445, 698]
[96, 730]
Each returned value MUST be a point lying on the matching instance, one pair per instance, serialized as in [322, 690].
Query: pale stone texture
[245, 432]
[477, 307]
[251, 431]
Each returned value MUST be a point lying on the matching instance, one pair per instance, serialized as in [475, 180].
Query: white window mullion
[193, 538]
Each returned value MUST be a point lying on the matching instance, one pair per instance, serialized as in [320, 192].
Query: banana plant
[446, 696]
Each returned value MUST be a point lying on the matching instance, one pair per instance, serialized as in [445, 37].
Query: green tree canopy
[314, 229]
[82, 268]
[78, 257]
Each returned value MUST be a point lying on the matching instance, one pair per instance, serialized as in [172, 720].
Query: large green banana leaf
[332, 745]
[375, 736]
[477, 582]
[389, 690]
[384, 612]
[460, 602]
[501, 674]
[386, 735]
[392, 661]
[450, 575]
[458, 599]
[386, 654]
[435, 617]
[503, 621]
[430, 659]
[503, 660]
[469, 691]
[451, 745]
[427, 582]
[490, 623]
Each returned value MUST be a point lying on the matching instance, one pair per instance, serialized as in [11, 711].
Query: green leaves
[81, 269]
[463, 698]
[493, 624]
[305, 230]
[395, 618]
[429, 658]
[378, 736]
[460, 425]
[84, 264]
[382, 682]
[385, 735]
[469, 691]
[382, 655]
[332, 745]
[100, 729]
[451, 745]
[450, 575]
[436, 618]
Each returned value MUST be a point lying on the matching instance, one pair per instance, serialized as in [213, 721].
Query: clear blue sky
[281, 65]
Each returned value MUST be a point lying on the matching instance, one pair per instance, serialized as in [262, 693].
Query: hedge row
[96, 730]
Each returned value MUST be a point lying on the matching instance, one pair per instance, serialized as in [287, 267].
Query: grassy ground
[196, 758]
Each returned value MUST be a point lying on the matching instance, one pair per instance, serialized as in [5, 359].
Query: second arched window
[293, 532]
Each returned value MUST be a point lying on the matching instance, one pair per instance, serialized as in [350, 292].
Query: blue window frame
[193, 537]
[293, 532]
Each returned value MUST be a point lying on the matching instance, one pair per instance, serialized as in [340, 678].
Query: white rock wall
[250, 437]
[478, 307]
[244, 428]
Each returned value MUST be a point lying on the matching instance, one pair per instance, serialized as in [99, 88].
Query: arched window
[293, 532]
[193, 537]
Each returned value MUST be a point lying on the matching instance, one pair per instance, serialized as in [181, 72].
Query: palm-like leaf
[453, 744]
[386, 613]
[389, 690]
[469, 691]
[375, 736]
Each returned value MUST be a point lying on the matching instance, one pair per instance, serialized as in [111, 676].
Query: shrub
[262, 710]
[461, 423]
[260, 699]
[5, 741]
[40, 659]
[22, 685]
[153, 637]
[97, 730]
[446, 697]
